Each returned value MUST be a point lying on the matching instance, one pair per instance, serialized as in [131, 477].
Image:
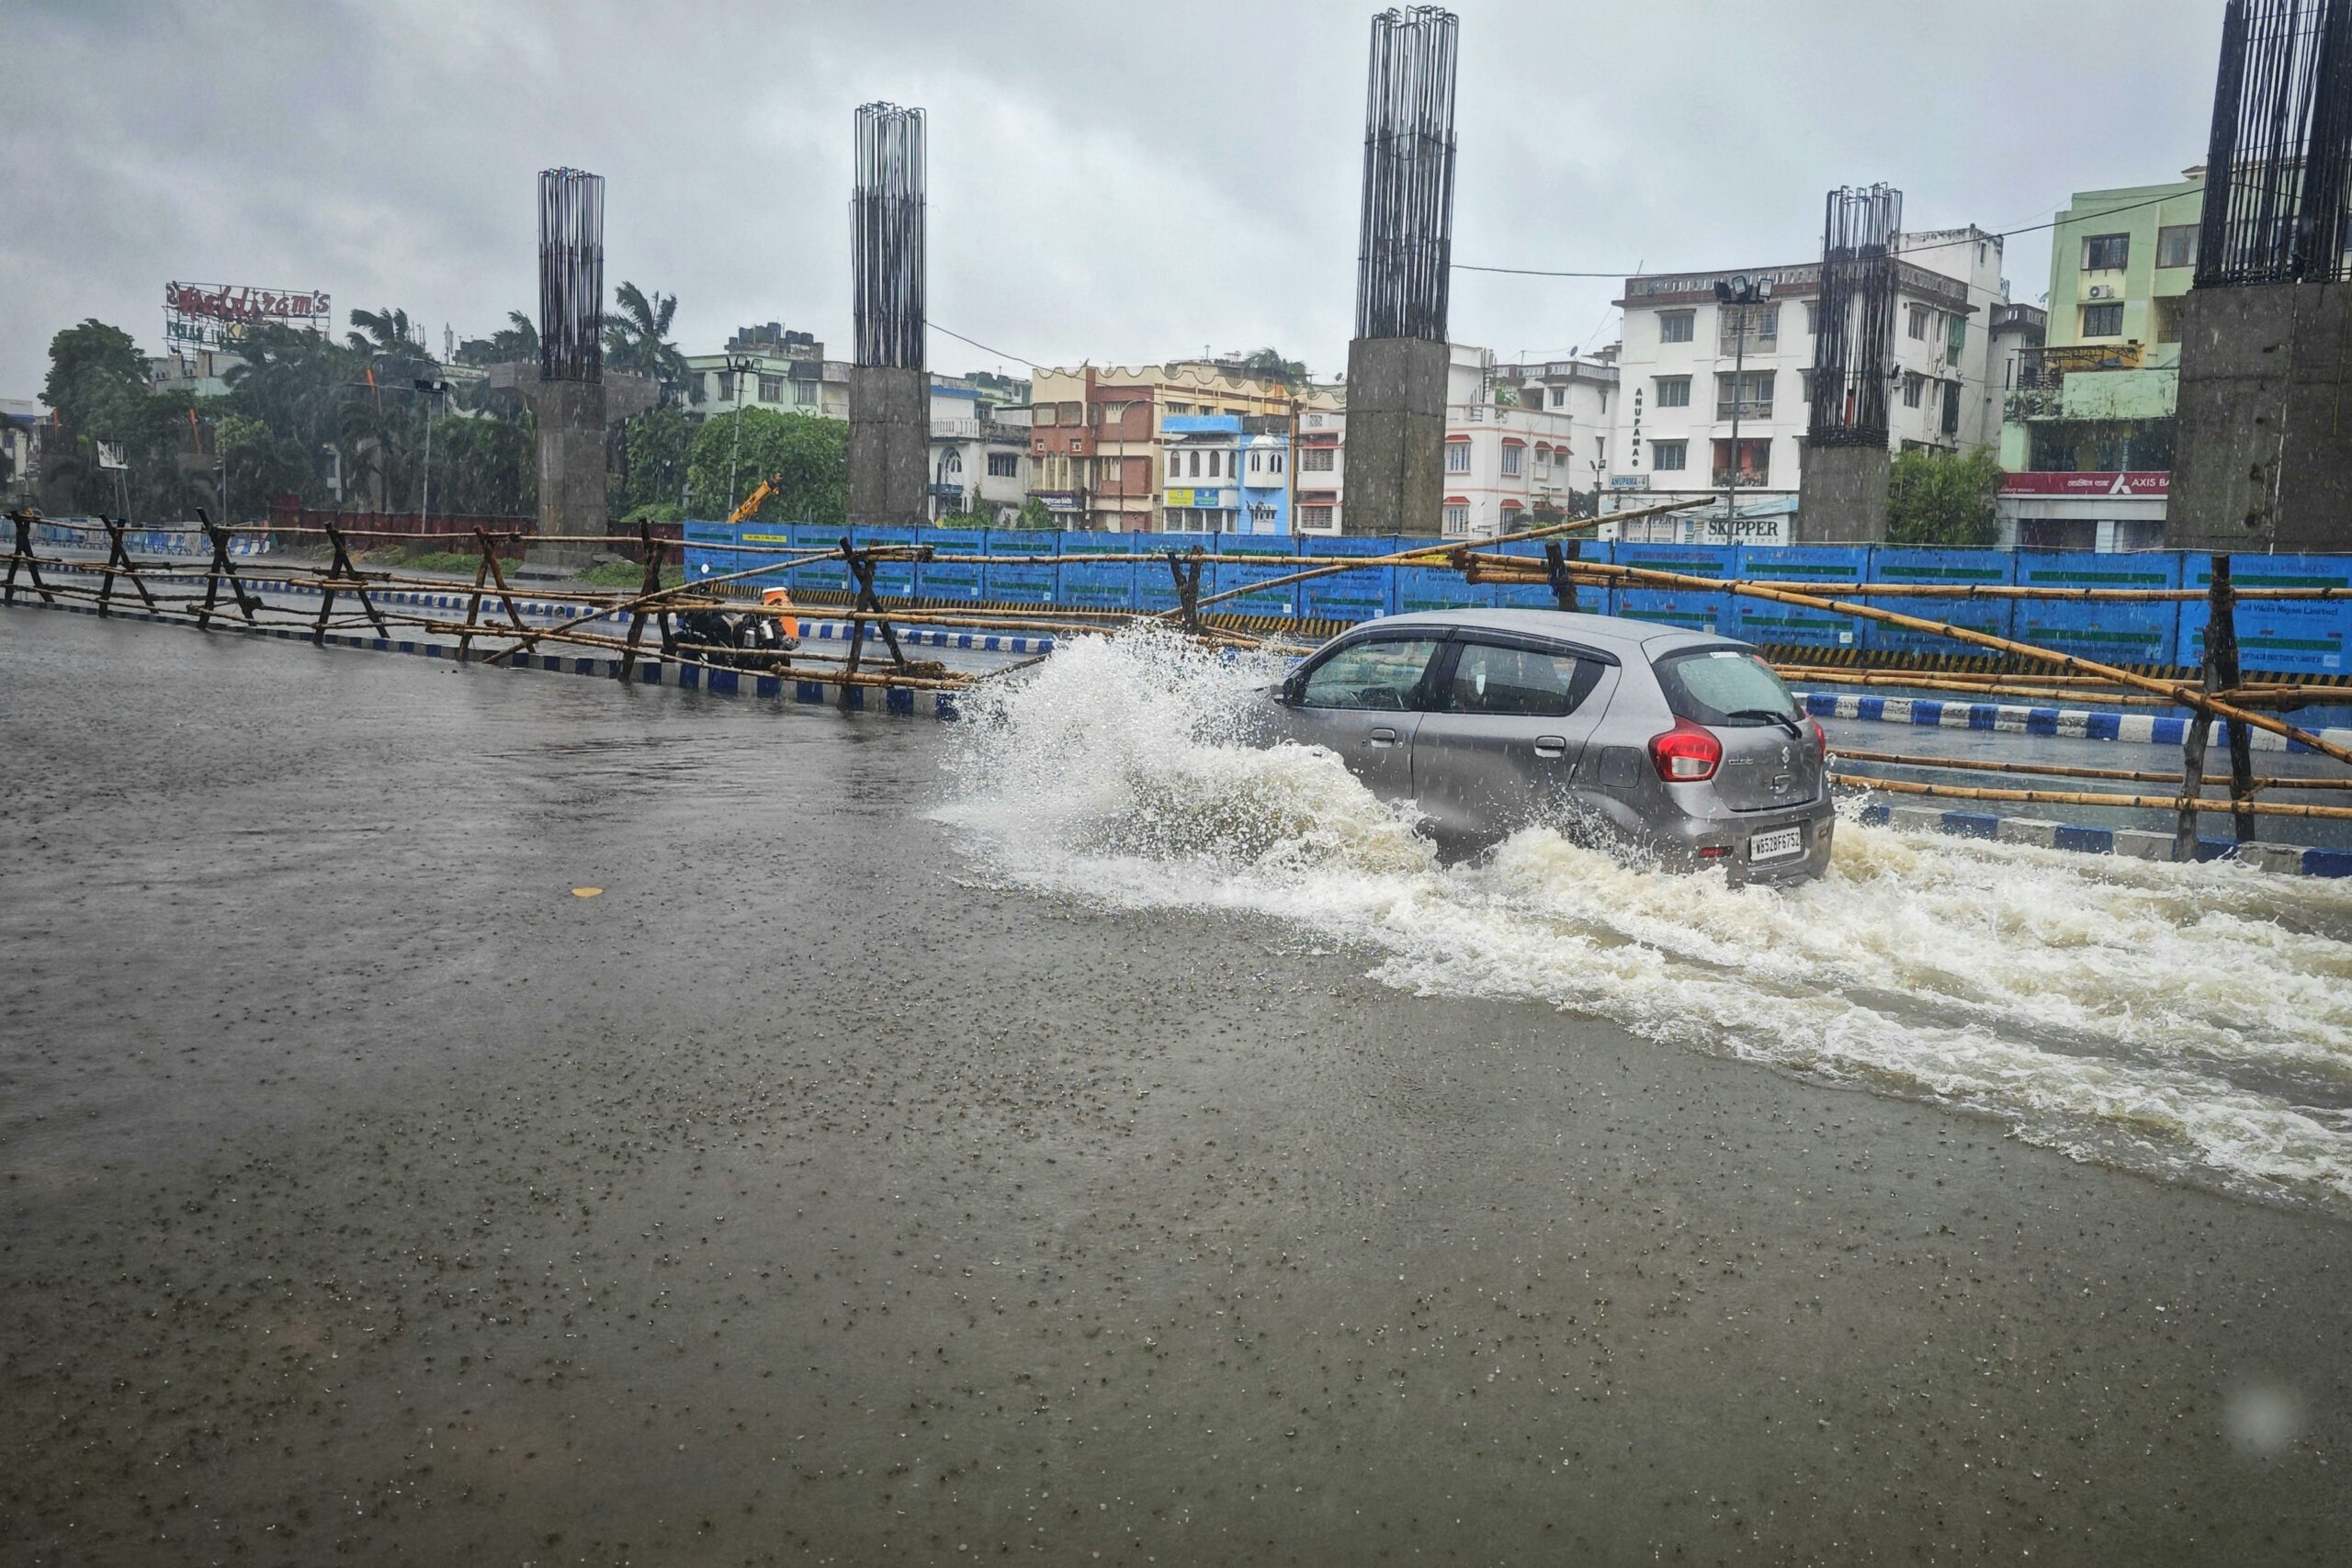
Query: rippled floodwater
[2193, 1023]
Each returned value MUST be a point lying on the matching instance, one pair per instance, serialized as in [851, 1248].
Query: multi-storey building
[1096, 435]
[979, 448]
[768, 368]
[1226, 473]
[2088, 436]
[1715, 398]
[1320, 471]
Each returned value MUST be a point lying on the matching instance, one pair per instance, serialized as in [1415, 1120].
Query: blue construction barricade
[1792, 626]
[2111, 631]
[1233, 568]
[1363, 594]
[1889, 564]
[892, 579]
[1154, 588]
[957, 581]
[1693, 609]
[2276, 636]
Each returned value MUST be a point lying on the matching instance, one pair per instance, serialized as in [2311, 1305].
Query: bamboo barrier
[2214, 808]
[1512, 571]
[2055, 770]
[2188, 696]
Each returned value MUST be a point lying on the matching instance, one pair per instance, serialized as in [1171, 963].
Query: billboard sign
[2149, 485]
[214, 315]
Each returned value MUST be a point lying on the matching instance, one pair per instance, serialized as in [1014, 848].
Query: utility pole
[737, 369]
[431, 387]
[1740, 294]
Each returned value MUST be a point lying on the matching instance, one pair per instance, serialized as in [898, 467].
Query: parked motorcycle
[736, 640]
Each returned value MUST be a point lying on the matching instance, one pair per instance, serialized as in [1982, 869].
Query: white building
[1695, 375]
[768, 368]
[1519, 441]
[979, 450]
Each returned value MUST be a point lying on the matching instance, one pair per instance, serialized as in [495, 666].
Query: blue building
[1226, 473]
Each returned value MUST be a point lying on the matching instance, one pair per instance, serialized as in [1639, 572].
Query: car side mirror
[1290, 691]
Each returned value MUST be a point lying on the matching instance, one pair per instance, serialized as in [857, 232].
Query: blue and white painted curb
[686, 677]
[2073, 724]
[931, 636]
[2140, 843]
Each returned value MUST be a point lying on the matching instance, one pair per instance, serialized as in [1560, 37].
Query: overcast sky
[1109, 183]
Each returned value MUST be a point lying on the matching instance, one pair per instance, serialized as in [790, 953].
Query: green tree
[637, 335]
[517, 340]
[652, 469]
[1269, 362]
[95, 376]
[1944, 499]
[810, 452]
[1035, 514]
[484, 467]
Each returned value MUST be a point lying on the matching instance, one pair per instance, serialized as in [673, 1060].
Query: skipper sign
[209, 315]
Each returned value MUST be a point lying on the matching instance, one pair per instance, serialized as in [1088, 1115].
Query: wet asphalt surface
[370, 1197]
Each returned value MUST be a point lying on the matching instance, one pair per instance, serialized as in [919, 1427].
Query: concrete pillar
[571, 464]
[1841, 496]
[889, 446]
[2262, 454]
[1397, 436]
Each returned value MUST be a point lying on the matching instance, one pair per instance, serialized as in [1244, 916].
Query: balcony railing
[1746, 479]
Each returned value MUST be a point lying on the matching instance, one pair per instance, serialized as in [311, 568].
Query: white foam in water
[2187, 1021]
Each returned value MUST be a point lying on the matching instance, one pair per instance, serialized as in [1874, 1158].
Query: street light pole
[1739, 294]
[737, 369]
[432, 388]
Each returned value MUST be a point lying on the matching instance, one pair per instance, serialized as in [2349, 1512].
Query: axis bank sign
[2130, 486]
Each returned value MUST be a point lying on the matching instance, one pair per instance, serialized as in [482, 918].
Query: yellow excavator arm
[753, 502]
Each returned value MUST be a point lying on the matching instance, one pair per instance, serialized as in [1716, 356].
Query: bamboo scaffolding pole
[1513, 570]
[1450, 553]
[2211, 807]
[2189, 696]
[2053, 770]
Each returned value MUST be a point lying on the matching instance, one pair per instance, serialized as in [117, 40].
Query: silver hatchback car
[1488, 721]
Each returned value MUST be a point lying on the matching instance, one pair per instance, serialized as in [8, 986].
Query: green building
[2086, 435]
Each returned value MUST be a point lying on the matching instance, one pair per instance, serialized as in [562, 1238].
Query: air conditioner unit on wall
[2102, 291]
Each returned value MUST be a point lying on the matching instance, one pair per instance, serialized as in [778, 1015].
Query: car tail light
[1686, 754]
[1820, 737]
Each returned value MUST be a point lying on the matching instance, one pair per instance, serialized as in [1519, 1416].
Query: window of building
[1318, 459]
[1004, 465]
[2103, 320]
[1457, 457]
[1314, 516]
[1042, 415]
[1753, 395]
[2176, 245]
[1512, 452]
[2105, 252]
[1669, 456]
[727, 386]
[1760, 323]
[1599, 451]
[1673, 391]
[1457, 519]
[804, 391]
[2166, 309]
[771, 389]
[1216, 463]
[1811, 318]
[1755, 463]
[1915, 388]
[1559, 396]
[1676, 326]
[1804, 387]
[1915, 320]
[1257, 462]
[1194, 456]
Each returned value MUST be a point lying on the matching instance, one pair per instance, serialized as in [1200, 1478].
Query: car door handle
[1550, 745]
[1383, 735]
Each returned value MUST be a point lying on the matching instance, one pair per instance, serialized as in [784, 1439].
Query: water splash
[2191, 1021]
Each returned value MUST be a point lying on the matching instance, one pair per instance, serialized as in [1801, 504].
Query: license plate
[1777, 845]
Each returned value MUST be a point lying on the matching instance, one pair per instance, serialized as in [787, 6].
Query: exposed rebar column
[889, 394]
[2264, 444]
[1405, 249]
[1396, 366]
[1853, 345]
[1842, 492]
[570, 395]
[571, 275]
[2279, 164]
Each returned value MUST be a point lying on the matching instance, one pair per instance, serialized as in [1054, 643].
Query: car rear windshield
[1723, 686]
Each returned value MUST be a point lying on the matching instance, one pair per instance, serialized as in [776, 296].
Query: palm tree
[638, 336]
[1269, 362]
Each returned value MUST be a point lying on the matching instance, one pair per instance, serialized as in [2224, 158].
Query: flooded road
[1075, 1140]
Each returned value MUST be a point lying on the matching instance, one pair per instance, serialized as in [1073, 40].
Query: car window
[1489, 678]
[1723, 686]
[1386, 673]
